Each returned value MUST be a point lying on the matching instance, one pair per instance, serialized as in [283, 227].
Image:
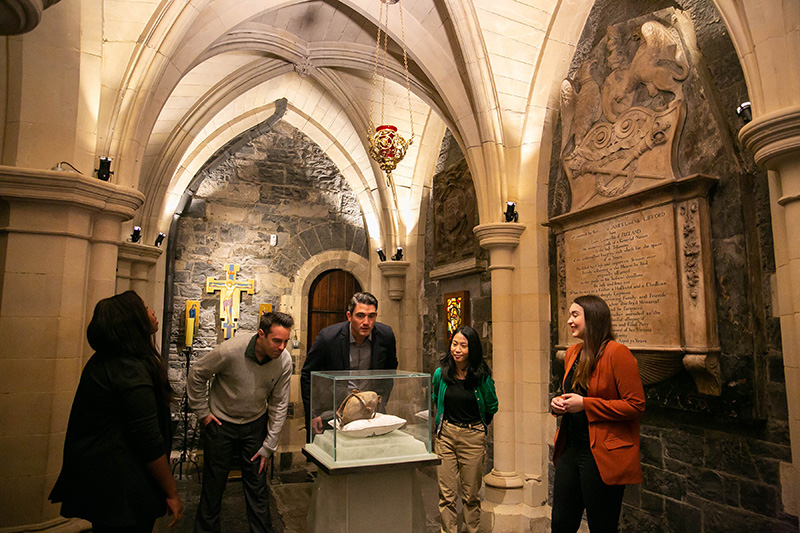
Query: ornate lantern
[386, 146]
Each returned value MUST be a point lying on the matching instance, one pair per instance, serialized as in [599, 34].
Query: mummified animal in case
[357, 406]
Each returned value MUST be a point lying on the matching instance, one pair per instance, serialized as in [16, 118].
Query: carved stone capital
[69, 188]
[94, 208]
[139, 253]
[21, 16]
[499, 235]
[395, 274]
[773, 136]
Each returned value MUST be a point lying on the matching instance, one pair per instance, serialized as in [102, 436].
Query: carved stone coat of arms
[622, 113]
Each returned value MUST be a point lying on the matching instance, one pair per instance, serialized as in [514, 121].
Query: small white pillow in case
[372, 427]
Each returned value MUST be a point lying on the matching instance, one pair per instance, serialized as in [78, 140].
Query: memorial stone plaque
[629, 261]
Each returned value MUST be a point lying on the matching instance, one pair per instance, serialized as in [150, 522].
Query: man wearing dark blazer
[360, 343]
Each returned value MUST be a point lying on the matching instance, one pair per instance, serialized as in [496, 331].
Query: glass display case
[370, 417]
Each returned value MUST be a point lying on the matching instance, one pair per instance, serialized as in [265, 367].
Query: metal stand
[185, 457]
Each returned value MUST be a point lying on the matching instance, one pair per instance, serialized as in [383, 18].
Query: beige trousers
[462, 452]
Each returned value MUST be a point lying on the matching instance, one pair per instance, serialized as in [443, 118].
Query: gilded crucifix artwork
[230, 295]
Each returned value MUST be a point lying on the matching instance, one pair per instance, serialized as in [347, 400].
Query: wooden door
[327, 300]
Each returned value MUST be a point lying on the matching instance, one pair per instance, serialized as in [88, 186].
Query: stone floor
[290, 497]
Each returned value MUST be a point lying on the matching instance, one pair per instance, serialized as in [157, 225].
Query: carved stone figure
[454, 214]
[619, 136]
[580, 105]
[659, 63]
[617, 94]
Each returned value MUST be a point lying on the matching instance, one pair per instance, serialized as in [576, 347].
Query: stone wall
[282, 184]
[711, 463]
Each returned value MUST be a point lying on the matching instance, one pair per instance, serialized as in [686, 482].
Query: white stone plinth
[367, 499]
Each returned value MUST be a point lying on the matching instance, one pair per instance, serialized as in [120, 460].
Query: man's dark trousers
[221, 442]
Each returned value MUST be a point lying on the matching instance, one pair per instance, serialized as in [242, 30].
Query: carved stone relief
[304, 68]
[454, 214]
[635, 231]
[691, 247]
[622, 113]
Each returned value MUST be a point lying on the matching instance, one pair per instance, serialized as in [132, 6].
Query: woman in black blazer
[115, 472]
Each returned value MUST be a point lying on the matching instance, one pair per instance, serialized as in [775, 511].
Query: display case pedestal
[350, 499]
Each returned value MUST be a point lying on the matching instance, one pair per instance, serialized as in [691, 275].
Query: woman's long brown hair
[597, 318]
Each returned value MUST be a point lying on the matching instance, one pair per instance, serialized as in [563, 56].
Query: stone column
[48, 221]
[391, 311]
[774, 139]
[503, 483]
[136, 269]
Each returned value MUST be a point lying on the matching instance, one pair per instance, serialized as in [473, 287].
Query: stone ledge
[460, 268]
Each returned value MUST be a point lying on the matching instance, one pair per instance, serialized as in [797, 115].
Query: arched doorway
[327, 300]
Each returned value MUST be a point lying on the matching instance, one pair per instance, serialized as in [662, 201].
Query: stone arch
[346, 260]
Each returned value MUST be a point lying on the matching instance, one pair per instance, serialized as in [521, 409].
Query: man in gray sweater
[243, 411]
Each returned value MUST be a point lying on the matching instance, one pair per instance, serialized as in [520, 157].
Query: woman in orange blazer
[597, 445]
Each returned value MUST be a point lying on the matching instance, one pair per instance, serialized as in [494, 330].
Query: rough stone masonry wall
[280, 183]
[712, 464]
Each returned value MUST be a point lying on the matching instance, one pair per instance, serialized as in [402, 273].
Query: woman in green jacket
[465, 400]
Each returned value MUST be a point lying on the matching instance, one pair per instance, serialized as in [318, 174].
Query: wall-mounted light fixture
[137, 234]
[104, 169]
[398, 255]
[159, 239]
[744, 112]
[381, 254]
[511, 215]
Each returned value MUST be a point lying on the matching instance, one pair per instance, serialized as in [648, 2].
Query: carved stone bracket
[704, 368]
[395, 274]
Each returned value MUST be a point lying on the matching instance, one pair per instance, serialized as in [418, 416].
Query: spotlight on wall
[511, 214]
[159, 239]
[137, 234]
[744, 112]
[381, 254]
[104, 169]
[398, 255]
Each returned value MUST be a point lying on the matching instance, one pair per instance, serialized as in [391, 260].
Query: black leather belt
[477, 426]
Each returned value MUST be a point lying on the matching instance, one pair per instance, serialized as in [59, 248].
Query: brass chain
[405, 64]
[371, 127]
[385, 55]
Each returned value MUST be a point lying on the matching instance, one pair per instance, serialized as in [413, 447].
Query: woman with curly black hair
[115, 472]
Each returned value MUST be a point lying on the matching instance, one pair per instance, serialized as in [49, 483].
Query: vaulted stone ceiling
[190, 77]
